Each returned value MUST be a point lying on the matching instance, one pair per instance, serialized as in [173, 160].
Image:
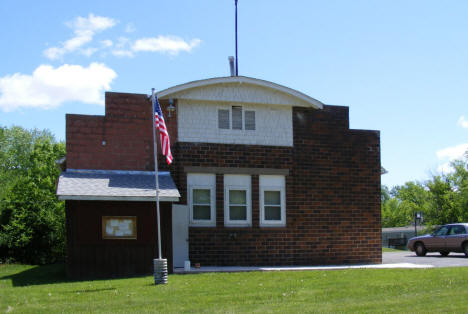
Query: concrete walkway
[231, 269]
[404, 259]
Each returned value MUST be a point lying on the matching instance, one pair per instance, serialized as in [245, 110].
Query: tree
[32, 227]
[442, 199]
[398, 210]
[449, 195]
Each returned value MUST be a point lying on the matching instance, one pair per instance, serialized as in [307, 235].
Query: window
[201, 199]
[237, 205]
[457, 230]
[241, 119]
[119, 227]
[237, 117]
[272, 201]
[223, 118]
[272, 205]
[250, 120]
[201, 204]
[442, 231]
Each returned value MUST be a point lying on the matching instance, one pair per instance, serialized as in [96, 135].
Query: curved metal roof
[173, 91]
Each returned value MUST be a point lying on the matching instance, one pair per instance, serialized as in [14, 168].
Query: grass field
[44, 289]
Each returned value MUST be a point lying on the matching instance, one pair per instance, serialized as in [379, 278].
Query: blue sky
[400, 66]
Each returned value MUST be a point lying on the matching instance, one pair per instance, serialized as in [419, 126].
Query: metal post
[160, 264]
[415, 229]
[237, 58]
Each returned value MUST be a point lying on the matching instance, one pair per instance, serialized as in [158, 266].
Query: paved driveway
[434, 259]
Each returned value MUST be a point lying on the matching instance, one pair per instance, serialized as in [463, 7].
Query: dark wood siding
[91, 256]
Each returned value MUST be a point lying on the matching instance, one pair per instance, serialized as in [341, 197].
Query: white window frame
[207, 182]
[244, 109]
[238, 182]
[272, 183]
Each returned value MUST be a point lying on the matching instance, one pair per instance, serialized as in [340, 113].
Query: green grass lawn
[44, 289]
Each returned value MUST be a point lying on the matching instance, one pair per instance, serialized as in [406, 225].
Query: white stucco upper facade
[198, 122]
[198, 104]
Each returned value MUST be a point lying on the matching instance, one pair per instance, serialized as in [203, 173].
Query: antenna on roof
[237, 58]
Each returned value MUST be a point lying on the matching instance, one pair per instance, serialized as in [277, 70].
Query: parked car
[446, 239]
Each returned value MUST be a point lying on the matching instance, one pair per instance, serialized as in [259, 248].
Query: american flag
[163, 134]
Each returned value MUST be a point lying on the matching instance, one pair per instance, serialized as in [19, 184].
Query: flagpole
[155, 152]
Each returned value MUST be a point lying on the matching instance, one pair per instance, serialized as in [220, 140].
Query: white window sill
[202, 224]
[232, 225]
[272, 225]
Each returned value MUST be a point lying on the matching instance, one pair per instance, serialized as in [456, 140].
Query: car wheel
[444, 253]
[420, 249]
[465, 249]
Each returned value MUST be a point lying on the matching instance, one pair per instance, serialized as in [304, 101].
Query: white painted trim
[272, 183]
[202, 181]
[272, 223]
[235, 182]
[116, 198]
[198, 222]
[170, 92]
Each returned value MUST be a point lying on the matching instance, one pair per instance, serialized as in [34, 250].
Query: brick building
[262, 175]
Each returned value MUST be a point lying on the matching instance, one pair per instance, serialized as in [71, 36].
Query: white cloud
[170, 44]
[450, 154]
[462, 122]
[91, 23]
[50, 87]
[123, 53]
[84, 30]
[106, 43]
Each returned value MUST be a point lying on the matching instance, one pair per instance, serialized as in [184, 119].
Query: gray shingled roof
[115, 185]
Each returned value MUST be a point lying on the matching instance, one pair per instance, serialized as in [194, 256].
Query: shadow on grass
[39, 275]
[54, 273]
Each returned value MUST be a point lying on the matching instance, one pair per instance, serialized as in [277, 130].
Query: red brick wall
[332, 196]
[127, 130]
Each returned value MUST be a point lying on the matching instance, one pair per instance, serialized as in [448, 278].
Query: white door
[180, 220]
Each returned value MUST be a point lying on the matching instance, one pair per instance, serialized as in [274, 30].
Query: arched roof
[240, 89]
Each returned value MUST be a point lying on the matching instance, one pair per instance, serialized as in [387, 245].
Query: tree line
[32, 219]
[442, 199]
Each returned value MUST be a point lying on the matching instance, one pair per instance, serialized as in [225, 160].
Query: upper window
[272, 201]
[237, 204]
[201, 199]
[223, 119]
[250, 120]
[236, 118]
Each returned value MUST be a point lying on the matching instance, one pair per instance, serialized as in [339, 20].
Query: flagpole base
[160, 271]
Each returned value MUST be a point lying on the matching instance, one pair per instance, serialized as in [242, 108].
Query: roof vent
[231, 65]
